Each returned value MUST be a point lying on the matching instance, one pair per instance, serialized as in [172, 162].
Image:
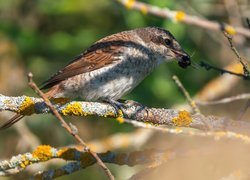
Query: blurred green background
[42, 36]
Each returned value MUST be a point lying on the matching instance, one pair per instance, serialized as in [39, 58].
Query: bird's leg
[122, 105]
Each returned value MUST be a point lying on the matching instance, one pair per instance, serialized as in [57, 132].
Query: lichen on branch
[132, 111]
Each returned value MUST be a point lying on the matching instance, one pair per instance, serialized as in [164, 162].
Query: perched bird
[113, 66]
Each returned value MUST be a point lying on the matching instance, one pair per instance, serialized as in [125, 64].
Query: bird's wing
[103, 52]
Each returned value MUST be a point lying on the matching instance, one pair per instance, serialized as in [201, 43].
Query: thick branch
[134, 111]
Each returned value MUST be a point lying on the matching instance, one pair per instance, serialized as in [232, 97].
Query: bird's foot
[121, 106]
[118, 106]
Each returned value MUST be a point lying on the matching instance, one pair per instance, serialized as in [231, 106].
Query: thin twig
[222, 71]
[67, 127]
[248, 23]
[224, 100]
[243, 110]
[181, 16]
[243, 63]
[187, 95]
[191, 102]
[215, 134]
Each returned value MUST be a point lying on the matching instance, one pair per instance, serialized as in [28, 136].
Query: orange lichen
[43, 152]
[179, 16]
[230, 30]
[27, 106]
[74, 109]
[130, 3]
[184, 119]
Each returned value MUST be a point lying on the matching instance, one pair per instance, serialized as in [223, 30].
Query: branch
[207, 66]
[225, 100]
[81, 160]
[132, 111]
[240, 59]
[221, 85]
[180, 16]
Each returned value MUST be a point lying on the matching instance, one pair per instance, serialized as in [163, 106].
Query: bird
[113, 66]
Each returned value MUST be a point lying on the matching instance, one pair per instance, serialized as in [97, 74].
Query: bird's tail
[11, 121]
[51, 93]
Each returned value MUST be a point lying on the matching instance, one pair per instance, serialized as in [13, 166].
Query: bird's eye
[168, 42]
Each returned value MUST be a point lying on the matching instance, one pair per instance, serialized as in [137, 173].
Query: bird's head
[164, 45]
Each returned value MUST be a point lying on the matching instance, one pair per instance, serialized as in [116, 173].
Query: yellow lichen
[25, 162]
[184, 119]
[230, 30]
[42, 152]
[120, 118]
[179, 16]
[109, 114]
[74, 109]
[22, 165]
[129, 4]
[27, 106]
[7, 101]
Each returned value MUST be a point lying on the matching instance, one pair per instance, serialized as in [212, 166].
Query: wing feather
[103, 52]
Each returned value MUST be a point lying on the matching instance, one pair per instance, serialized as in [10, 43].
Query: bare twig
[216, 135]
[243, 110]
[67, 127]
[220, 85]
[187, 95]
[248, 23]
[182, 17]
[243, 63]
[222, 71]
[225, 100]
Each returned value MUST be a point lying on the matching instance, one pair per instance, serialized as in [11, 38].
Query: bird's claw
[118, 106]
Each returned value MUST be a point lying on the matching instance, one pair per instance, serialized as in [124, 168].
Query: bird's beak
[183, 58]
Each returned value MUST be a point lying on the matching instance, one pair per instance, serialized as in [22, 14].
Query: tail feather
[11, 121]
[51, 93]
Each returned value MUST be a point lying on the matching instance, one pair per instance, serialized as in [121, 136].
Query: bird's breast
[114, 80]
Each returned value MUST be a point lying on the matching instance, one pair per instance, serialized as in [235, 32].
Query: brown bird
[113, 66]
